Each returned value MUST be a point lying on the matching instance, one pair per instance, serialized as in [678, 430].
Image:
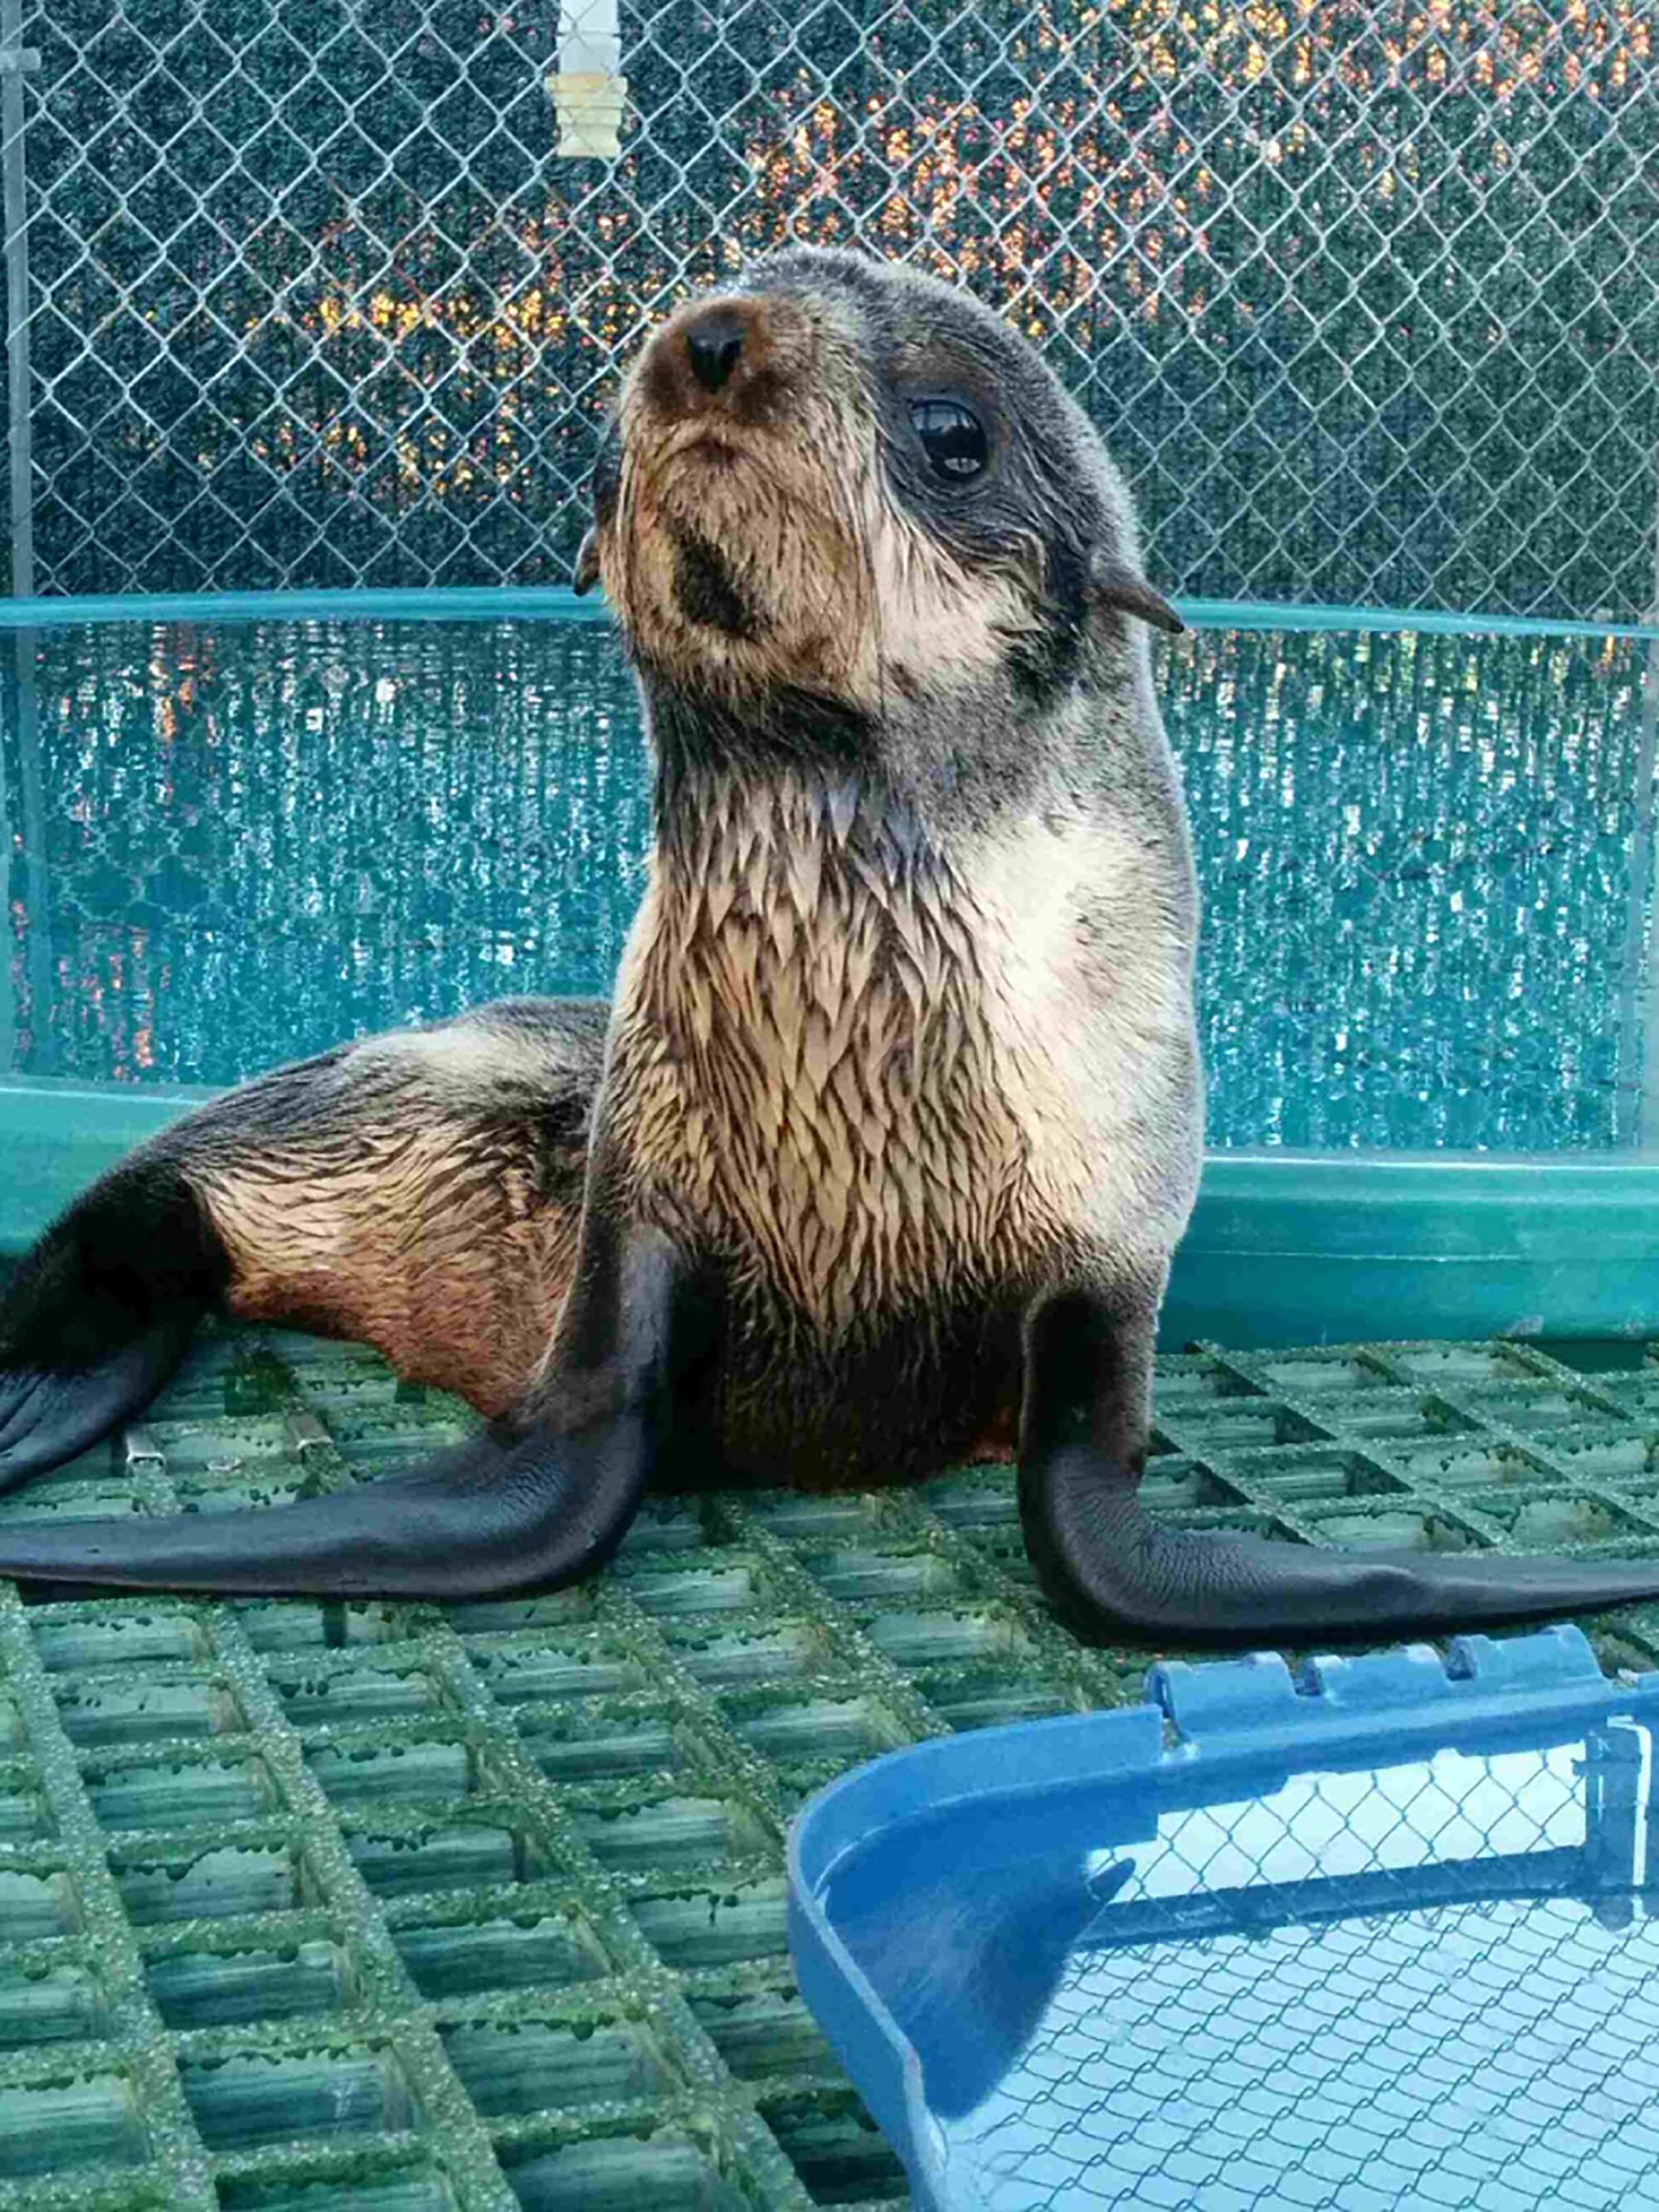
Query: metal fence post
[1644, 888]
[16, 61]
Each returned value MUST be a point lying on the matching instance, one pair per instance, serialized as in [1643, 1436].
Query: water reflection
[1424, 887]
[263, 840]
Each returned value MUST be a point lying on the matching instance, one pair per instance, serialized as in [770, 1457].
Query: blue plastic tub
[1376, 1939]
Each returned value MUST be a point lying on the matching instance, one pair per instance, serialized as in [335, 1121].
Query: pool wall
[1283, 1248]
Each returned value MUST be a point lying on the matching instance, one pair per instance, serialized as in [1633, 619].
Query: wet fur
[420, 1193]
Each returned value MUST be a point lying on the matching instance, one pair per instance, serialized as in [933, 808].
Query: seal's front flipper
[1112, 1576]
[494, 1513]
[532, 1503]
[99, 1314]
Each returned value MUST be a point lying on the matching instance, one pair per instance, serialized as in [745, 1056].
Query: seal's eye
[952, 437]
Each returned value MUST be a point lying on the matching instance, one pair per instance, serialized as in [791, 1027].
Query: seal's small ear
[1113, 584]
[586, 574]
[604, 487]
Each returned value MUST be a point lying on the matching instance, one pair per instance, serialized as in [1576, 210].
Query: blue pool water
[1423, 858]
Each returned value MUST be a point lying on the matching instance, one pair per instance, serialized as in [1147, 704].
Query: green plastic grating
[418, 1910]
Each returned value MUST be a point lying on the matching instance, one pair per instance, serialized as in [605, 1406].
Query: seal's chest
[815, 1068]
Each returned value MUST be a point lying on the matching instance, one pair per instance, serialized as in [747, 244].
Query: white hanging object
[588, 91]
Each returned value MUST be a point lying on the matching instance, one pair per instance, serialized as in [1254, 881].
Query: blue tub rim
[559, 602]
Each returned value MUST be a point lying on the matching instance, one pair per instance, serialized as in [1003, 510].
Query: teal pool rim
[1283, 1248]
[558, 603]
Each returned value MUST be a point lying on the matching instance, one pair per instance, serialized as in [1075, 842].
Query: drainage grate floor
[408, 1909]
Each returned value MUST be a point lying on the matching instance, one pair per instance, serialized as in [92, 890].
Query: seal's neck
[705, 745]
[789, 773]
[782, 794]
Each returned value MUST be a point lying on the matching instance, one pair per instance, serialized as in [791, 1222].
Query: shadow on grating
[408, 1909]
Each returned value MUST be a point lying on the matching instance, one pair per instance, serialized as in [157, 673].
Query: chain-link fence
[1362, 292]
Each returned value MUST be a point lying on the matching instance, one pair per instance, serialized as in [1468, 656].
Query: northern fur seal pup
[879, 1155]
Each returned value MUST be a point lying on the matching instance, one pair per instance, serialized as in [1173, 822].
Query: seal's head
[846, 479]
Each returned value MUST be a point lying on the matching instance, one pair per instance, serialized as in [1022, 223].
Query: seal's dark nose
[713, 342]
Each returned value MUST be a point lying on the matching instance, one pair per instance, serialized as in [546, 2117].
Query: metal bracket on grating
[139, 1449]
[485, 1905]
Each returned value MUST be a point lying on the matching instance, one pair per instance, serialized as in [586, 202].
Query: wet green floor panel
[401, 1909]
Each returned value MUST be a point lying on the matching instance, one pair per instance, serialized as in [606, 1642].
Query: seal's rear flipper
[500, 1512]
[527, 1503]
[99, 1314]
[1111, 1575]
